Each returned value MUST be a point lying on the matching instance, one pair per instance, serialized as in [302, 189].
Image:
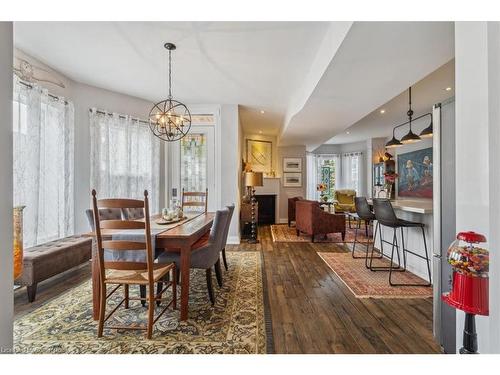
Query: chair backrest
[228, 224]
[132, 213]
[104, 214]
[384, 212]
[363, 208]
[112, 245]
[198, 199]
[216, 239]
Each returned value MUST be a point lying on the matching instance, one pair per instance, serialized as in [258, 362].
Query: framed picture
[292, 164]
[260, 155]
[292, 179]
[415, 174]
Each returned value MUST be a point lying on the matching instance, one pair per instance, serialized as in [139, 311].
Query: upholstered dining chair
[132, 213]
[194, 200]
[127, 259]
[226, 233]
[207, 256]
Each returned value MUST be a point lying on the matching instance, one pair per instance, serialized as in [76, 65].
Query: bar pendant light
[410, 137]
[427, 132]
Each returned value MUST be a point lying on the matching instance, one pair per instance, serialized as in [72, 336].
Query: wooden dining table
[179, 237]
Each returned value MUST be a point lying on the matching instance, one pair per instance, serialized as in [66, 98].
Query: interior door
[193, 164]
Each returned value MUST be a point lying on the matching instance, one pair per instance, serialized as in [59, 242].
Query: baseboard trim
[233, 240]
[283, 220]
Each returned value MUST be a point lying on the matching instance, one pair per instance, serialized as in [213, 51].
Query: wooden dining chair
[124, 261]
[197, 199]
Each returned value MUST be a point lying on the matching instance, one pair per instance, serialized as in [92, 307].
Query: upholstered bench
[52, 258]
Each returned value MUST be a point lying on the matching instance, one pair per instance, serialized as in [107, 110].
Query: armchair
[291, 208]
[345, 200]
[312, 220]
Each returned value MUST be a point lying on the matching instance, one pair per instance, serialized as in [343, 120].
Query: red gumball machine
[469, 291]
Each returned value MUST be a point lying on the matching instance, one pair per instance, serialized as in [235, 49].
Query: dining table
[172, 237]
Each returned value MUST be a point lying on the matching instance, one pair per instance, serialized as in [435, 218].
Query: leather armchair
[291, 208]
[345, 200]
[312, 220]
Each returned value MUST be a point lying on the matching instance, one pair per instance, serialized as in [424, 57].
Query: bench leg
[31, 289]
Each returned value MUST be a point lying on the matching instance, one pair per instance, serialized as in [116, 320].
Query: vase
[18, 241]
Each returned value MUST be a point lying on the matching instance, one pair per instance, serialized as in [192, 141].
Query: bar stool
[363, 212]
[385, 215]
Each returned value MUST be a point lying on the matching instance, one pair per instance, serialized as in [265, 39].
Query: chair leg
[125, 292]
[224, 258]
[208, 273]
[151, 310]
[102, 310]
[174, 287]
[218, 273]
[31, 289]
[358, 226]
[343, 235]
[159, 287]
[142, 290]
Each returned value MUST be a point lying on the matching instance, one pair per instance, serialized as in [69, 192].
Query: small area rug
[364, 283]
[236, 324]
[284, 233]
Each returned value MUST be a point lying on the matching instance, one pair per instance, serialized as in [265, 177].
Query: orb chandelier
[170, 120]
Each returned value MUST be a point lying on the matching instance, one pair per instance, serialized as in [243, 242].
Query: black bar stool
[385, 215]
[363, 212]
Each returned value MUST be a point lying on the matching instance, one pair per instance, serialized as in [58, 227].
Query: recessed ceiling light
[262, 111]
[448, 89]
[348, 132]
[260, 131]
[382, 111]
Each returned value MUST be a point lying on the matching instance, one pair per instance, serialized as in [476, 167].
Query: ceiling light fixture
[348, 132]
[382, 111]
[262, 111]
[448, 89]
[170, 120]
[410, 137]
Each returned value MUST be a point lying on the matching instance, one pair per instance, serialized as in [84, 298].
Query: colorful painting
[260, 155]
[415, 174]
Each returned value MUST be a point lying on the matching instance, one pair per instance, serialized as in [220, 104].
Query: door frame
[171, 147]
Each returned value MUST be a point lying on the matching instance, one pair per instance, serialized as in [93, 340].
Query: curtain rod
[102, 112]
[49, 94]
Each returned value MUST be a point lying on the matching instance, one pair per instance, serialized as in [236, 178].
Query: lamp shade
[410, 138]
[427, 132]
[253, 179]
[393, 143]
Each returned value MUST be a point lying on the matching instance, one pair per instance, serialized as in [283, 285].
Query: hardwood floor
[312, 310]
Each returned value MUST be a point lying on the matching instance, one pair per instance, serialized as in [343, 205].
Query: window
[43, 132]
[125, 158]
[352, 171]
[327, 172]
[194, 162]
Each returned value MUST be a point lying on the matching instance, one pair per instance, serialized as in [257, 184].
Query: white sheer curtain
[352, 172]
[125, 158]
[312, 176]
[43, 130]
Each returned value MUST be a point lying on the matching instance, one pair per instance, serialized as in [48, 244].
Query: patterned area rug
[236, 324]
[364, 283]
[284, 233]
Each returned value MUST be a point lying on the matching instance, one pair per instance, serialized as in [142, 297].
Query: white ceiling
[258, 65]
[425, 93]
[375, 62]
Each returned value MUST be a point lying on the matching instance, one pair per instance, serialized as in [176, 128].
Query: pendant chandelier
[410, 137]
[170, 120]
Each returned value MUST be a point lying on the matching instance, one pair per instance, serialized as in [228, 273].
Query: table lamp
[253, 179]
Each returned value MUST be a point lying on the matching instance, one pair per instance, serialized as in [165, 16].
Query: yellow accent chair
[345, 200]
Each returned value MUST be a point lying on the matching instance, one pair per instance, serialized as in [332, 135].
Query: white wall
[6, 264]
[230, 165]
[477, 157]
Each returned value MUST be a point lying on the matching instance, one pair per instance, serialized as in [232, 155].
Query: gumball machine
[469, 291]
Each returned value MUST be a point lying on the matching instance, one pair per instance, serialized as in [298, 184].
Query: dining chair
[206, 256]
[196, 200]
[132, 213]
[125, 260]
[226, 233]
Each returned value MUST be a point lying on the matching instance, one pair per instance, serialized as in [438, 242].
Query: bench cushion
[51, 258]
